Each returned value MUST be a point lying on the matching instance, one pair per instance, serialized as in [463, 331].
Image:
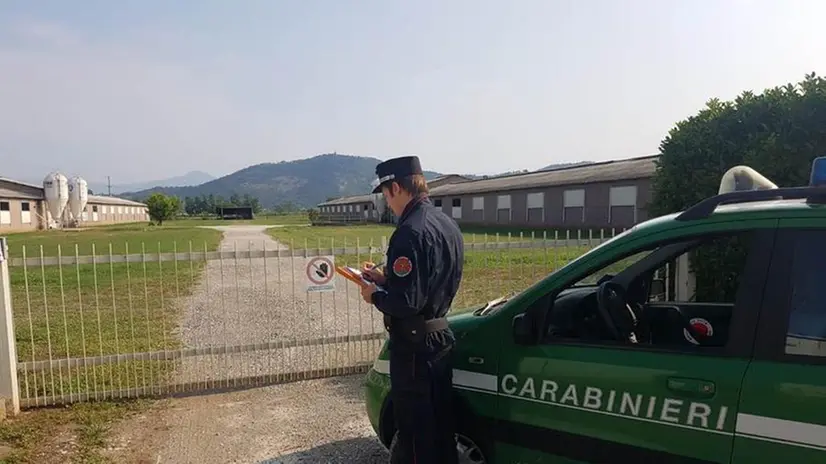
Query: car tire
[468, 449]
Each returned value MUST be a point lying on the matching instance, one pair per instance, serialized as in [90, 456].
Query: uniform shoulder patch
[402, 266]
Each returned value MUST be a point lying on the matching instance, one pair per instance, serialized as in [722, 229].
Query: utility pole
[109, 184]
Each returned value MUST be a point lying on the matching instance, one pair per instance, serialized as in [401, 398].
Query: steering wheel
[613, 307]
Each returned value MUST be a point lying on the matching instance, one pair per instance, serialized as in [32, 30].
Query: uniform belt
[430, 325]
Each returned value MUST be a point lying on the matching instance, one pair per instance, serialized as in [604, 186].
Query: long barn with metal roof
[609, 194]
[23, 208]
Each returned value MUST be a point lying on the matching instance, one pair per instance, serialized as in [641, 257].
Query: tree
[162, 207]
[778, 133]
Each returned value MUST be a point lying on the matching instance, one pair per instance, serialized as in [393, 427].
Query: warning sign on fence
[320, 273]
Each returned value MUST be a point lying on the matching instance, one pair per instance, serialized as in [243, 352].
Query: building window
[478, 209]
[437, 202]
[25, 212]
[622, 205]
[573, 206]
[503, 209]
[5, 213]
[456, 211]
[535, 211]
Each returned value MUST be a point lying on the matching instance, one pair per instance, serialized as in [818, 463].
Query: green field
[74, 311]
[323, 236]
[264, 220]
[135, 237]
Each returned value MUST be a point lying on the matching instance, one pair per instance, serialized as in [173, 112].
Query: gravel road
[242, 302]
[316, 421]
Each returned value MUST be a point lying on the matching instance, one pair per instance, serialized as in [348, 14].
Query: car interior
[624, 308]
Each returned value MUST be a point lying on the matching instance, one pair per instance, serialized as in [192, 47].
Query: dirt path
[243, 302]
[317, 421]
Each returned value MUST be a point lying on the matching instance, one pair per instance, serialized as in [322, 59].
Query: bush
[778, 133]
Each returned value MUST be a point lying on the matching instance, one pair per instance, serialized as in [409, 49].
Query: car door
[782, 412]
[567, 400]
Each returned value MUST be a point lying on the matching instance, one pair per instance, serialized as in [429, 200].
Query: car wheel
[468, 451]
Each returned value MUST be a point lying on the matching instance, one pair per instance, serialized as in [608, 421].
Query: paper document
[354, 275]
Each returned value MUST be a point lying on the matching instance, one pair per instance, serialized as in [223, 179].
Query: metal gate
[189, 319]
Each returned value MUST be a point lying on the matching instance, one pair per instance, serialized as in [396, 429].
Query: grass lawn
[73, 311]
[269, 220]
[323, 236]
[135, 236]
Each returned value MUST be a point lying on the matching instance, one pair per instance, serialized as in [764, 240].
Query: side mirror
[522, 330]
[657, 289]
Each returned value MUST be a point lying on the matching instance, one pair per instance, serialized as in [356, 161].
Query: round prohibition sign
[320, 270]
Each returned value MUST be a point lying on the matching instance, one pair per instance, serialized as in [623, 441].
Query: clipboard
[353, 275]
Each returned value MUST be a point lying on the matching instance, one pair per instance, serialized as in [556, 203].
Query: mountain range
[102, 187]
[188, 179]
[304, 182]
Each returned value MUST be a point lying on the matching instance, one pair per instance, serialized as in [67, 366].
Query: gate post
[9, 389]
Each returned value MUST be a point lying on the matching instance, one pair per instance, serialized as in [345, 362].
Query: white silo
[56, 190]
[78, 196]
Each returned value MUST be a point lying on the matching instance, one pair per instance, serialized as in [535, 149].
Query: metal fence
[141, 323]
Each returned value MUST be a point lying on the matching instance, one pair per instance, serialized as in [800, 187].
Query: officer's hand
[367, 293]
[374, 274]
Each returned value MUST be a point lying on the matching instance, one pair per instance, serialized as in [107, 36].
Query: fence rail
[118, 325]
[279, 253]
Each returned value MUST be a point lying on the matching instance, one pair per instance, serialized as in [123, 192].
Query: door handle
[697, 388]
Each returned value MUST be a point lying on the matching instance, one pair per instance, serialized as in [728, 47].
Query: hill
[304, 182]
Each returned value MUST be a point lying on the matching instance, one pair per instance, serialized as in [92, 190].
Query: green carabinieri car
[697, 337]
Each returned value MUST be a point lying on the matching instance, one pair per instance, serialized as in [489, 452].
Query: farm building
[23, 208]
[358, 208]
[611, 194]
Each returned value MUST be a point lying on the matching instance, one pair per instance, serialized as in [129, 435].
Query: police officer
[414, 292]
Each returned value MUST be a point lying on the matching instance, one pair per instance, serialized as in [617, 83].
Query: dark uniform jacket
[424, 266]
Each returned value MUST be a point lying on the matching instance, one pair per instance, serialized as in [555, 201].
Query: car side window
[708, 273]
[697, 288]
[806, 332]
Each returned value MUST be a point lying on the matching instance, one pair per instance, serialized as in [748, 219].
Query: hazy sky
[148, 89]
